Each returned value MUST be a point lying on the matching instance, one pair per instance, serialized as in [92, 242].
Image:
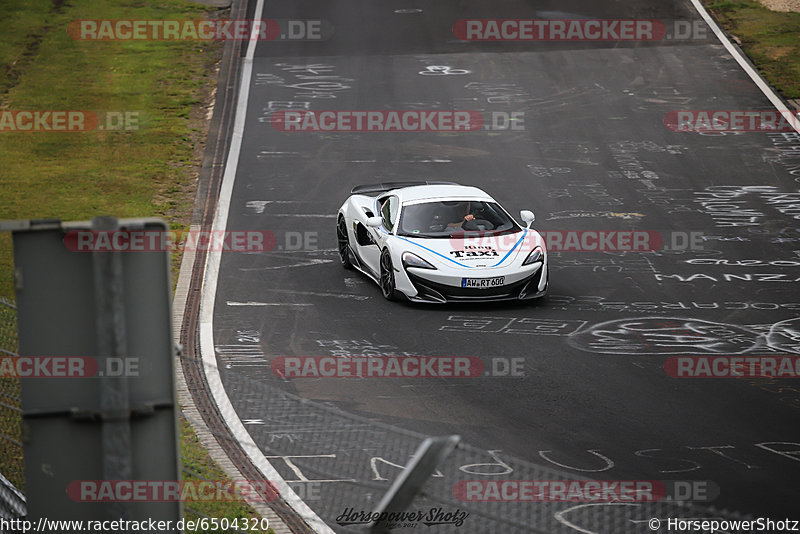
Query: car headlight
[534, 256]
[412, 260]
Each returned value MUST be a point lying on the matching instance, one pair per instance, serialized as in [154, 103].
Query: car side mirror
[374, 222]
[527, 217]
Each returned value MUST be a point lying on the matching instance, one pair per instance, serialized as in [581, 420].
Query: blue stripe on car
[524, 233]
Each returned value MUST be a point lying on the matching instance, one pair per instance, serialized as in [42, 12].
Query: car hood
[473, 252]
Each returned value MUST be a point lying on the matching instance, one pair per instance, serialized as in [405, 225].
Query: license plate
[483, 283]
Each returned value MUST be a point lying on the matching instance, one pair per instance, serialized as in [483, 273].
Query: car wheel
[344, 244]
[387, 277]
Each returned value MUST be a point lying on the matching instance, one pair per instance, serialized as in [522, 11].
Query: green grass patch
[146, 171]
[24, 24]
[142, 172]
[198, 465]
[770, 39]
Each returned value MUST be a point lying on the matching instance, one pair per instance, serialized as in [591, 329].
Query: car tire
[387, 277]
[343, 244]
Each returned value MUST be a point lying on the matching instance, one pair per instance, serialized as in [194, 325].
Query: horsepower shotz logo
[405, 519]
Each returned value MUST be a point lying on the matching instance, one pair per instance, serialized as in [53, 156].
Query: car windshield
[443, 219]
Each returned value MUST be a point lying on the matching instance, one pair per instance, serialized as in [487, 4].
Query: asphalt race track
[593, 399]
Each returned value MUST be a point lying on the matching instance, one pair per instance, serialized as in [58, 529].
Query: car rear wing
[376, 189]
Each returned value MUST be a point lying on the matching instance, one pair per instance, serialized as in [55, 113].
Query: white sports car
[440, 242]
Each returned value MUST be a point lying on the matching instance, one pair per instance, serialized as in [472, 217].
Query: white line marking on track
[422, 161]
[301, 264]
[322, 294]
[209, 293]
[559, 516]
[742, 61]
[300, 251]
[311, 215]
[250, 303]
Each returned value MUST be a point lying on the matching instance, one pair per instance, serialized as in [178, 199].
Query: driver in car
[463, 214]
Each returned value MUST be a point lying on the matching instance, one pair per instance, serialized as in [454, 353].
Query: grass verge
[771, 40]
[147, 169]
[199, 466]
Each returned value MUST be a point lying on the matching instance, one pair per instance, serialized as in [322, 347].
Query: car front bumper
[530, 287]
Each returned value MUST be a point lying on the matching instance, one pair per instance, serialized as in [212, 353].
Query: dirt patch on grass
[775, 52]
[786, 6]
